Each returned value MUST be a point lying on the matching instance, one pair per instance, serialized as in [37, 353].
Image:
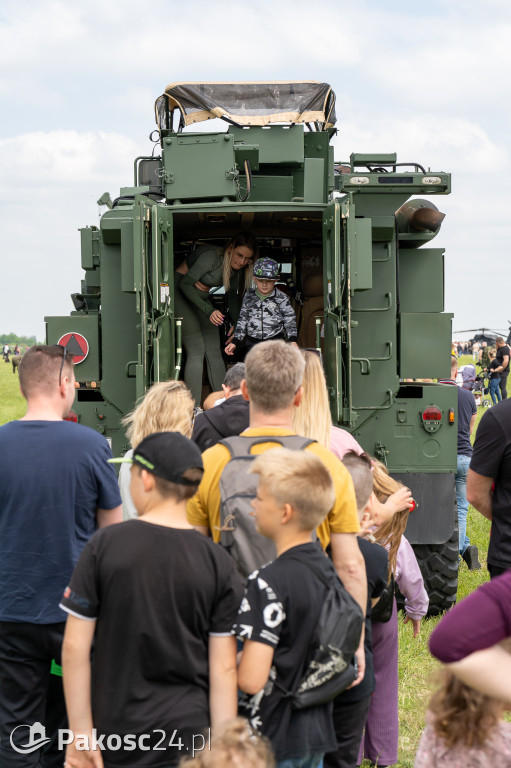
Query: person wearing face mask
[211, 268]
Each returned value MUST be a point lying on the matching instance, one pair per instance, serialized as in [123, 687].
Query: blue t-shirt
[54, 476]
[466, 409]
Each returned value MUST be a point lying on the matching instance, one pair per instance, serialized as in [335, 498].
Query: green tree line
[12, 338]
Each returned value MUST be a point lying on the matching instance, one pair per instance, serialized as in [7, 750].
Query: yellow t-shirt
[204, 508]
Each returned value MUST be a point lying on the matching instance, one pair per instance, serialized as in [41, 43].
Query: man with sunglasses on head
[56, 490]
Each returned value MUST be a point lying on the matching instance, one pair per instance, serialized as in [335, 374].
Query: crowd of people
[185, 599]
[494, 364]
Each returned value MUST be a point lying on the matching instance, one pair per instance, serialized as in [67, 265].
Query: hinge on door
[381, 452]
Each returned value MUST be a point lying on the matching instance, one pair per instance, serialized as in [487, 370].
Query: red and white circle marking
[78, 339]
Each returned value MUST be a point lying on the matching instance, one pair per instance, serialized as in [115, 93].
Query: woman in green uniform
[201, 338]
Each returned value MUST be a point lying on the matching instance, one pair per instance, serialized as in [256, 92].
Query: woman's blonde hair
[242, 239]
[236, 745]
[166, 407]
[389, 534]
[312, 417]
[462, 714]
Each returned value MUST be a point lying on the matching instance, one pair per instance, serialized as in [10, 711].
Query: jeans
[495, 391]
[460, 478]
[306, 761]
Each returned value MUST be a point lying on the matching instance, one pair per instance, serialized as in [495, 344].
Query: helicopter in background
[489, 335]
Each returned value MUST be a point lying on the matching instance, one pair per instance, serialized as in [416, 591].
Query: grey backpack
[238, 532]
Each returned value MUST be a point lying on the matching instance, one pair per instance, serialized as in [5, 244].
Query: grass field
[416, 666]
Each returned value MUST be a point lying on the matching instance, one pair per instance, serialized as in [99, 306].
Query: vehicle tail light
[432, 413]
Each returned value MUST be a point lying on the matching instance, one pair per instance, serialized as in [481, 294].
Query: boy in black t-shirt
[283, 600]
[160, 600]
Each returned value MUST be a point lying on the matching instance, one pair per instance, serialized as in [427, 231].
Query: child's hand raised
[377, 513]
[230, 348]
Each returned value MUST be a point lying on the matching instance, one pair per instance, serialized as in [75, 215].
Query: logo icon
[36, 738]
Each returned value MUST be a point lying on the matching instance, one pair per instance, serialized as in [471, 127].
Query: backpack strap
[241, 445]
[315, 571]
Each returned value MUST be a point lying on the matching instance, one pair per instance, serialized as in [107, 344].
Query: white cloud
[450, 144]
[65, 157]
[50, 184]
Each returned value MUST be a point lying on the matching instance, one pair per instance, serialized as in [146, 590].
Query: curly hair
[462, 714]
[236, 745]
[166, 407]
[389, 534]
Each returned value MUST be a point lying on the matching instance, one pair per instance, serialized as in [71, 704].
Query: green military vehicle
[353, 239]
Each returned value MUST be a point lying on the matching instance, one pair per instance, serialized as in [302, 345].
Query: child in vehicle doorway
[266, 313]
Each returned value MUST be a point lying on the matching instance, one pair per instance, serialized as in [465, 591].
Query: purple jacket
[410, 582]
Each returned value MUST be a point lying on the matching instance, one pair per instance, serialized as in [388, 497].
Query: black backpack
[382, 611]
[331, 665]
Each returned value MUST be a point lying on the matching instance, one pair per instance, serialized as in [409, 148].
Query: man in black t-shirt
[164, 667]
[489, 482]
[502, 358]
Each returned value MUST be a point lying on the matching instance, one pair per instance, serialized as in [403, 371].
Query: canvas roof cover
[255, 103]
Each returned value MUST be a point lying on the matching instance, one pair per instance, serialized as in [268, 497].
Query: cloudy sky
[430, 81]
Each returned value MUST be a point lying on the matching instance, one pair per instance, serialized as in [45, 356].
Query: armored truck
[353, 239]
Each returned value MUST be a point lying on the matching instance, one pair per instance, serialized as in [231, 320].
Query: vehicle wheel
[439, 567]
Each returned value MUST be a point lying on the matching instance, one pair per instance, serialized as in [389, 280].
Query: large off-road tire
[439, 567]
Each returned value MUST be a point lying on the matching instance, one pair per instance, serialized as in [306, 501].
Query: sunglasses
[65, 354]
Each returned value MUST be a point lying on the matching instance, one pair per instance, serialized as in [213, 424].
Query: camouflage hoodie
[265, 319]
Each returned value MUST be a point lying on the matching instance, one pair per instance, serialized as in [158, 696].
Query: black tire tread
[439, 568]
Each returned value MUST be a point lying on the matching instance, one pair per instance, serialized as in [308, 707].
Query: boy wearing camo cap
[266, 313]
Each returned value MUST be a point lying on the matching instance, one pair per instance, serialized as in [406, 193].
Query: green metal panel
[199, 165]
[373, 333]
[127, 259]
[112, 220]
[162, 293]
[314, 182]
[278, 144]
[88, 327]
[246, 152]
[89, 237]
[332, 279]
[425, 344]
[119, 321]
[409, 448]
[361, 257]
[421, 279]
[359, 158]
[142, 248]
[275, 188]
